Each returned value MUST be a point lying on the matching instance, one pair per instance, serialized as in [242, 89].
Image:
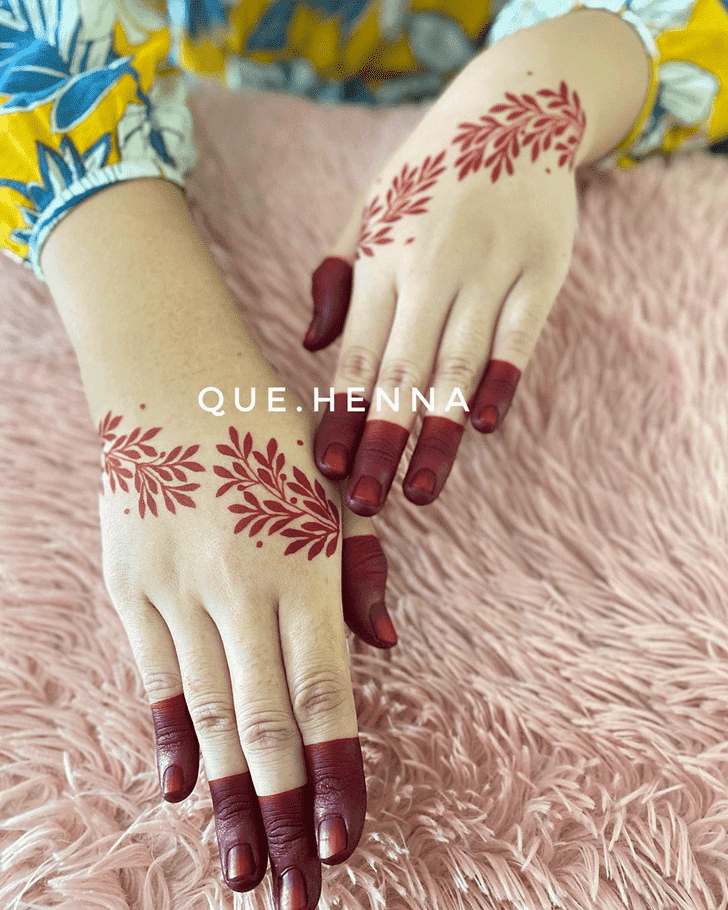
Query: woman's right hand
[222, 554]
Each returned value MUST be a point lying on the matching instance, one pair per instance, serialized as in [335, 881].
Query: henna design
[123, 459]
[400, 202]
[524, 112]
[323, 527]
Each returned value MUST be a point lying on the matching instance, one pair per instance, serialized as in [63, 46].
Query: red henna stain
[288, 818]
[318, 515]
[363, 585]
[132, 456]
[331, 286]
[495, 393]
[521, 115]
[126, 511]
[178, 752]
[336, 771]
[375, 466]
[410, 240]
[259, 544]
[299, 442]
[142, 406]
[340, 429]
[400, 201]
[241, 836]
[432, 459]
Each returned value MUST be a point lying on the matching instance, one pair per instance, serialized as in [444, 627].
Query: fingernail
[240, 862]
[368, 489]
[382, 624]
[488, 418]
[312, 333]
[173, 783]
[335, 458]
[331, 837]
[424, 480]
[293, 891]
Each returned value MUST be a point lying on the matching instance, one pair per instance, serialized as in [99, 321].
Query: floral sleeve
[88, 97]
[687, 40]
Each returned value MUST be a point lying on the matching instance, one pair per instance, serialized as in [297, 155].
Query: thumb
[363, 582]
[331, 284]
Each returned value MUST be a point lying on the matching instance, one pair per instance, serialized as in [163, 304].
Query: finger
[519, 326]
[365, 336]
[239, 825]
[364, 582]
[462, 355]
[271, 742]
[408, 360]
[323, 705]
[178, 754]
[331, 284]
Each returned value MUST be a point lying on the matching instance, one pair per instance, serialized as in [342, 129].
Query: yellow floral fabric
[94, 91]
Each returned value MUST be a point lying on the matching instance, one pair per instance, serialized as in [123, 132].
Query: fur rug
[552, 730]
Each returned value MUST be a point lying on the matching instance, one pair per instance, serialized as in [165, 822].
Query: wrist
[595, 52]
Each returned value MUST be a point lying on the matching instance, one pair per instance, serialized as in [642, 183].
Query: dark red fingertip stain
[241, 835]
[494, 396]
[289, 822]
[338, 435]
[331, 285]
[375, 465]
[363, 586]
[178, 752]
[336, 769]
[432, 459]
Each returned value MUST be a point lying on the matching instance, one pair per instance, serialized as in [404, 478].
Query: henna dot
[411, 240]
[126, 511]
[548, 170]
[283, 476]
[142, 406]
[259, 544]
[294, 500]
[299, 442]
[162, 454]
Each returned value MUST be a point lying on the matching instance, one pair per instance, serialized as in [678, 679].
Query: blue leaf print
[270, 34]
[31, 76]
[349, 10]
[202, 16]
[84, 92]
[58, 172]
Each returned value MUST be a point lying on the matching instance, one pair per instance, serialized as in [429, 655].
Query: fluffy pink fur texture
[552, 730]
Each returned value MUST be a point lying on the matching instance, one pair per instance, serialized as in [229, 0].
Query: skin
[241, 648]
[223, 550]
[457, 249]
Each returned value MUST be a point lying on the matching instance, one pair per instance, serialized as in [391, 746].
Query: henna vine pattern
[401, 201]
[153, 472]
[523, 113]
[319, 531]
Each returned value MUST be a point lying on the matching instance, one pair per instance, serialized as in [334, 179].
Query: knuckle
[267, 731]
[435, 443]
[519, 341]
[282, 832]
[319, 695]
[160, 684]
[400, 374]
[457, 370]
[212, 716]
[230, 807]
[358, 365]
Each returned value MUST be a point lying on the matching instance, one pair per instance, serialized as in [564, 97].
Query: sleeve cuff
[82, 189]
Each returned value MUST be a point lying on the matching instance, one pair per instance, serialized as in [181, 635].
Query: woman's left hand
[446, 271]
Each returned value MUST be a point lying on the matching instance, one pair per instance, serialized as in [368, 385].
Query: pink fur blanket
[552, 730]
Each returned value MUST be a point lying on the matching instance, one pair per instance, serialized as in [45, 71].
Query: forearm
[142, 299]
[598, 55]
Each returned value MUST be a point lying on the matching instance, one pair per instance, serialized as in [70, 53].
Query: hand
[447, 270]
[222, 555]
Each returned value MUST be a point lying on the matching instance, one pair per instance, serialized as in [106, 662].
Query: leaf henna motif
[400, 201]
[521, 115]
[132, 457]
[251, 468]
